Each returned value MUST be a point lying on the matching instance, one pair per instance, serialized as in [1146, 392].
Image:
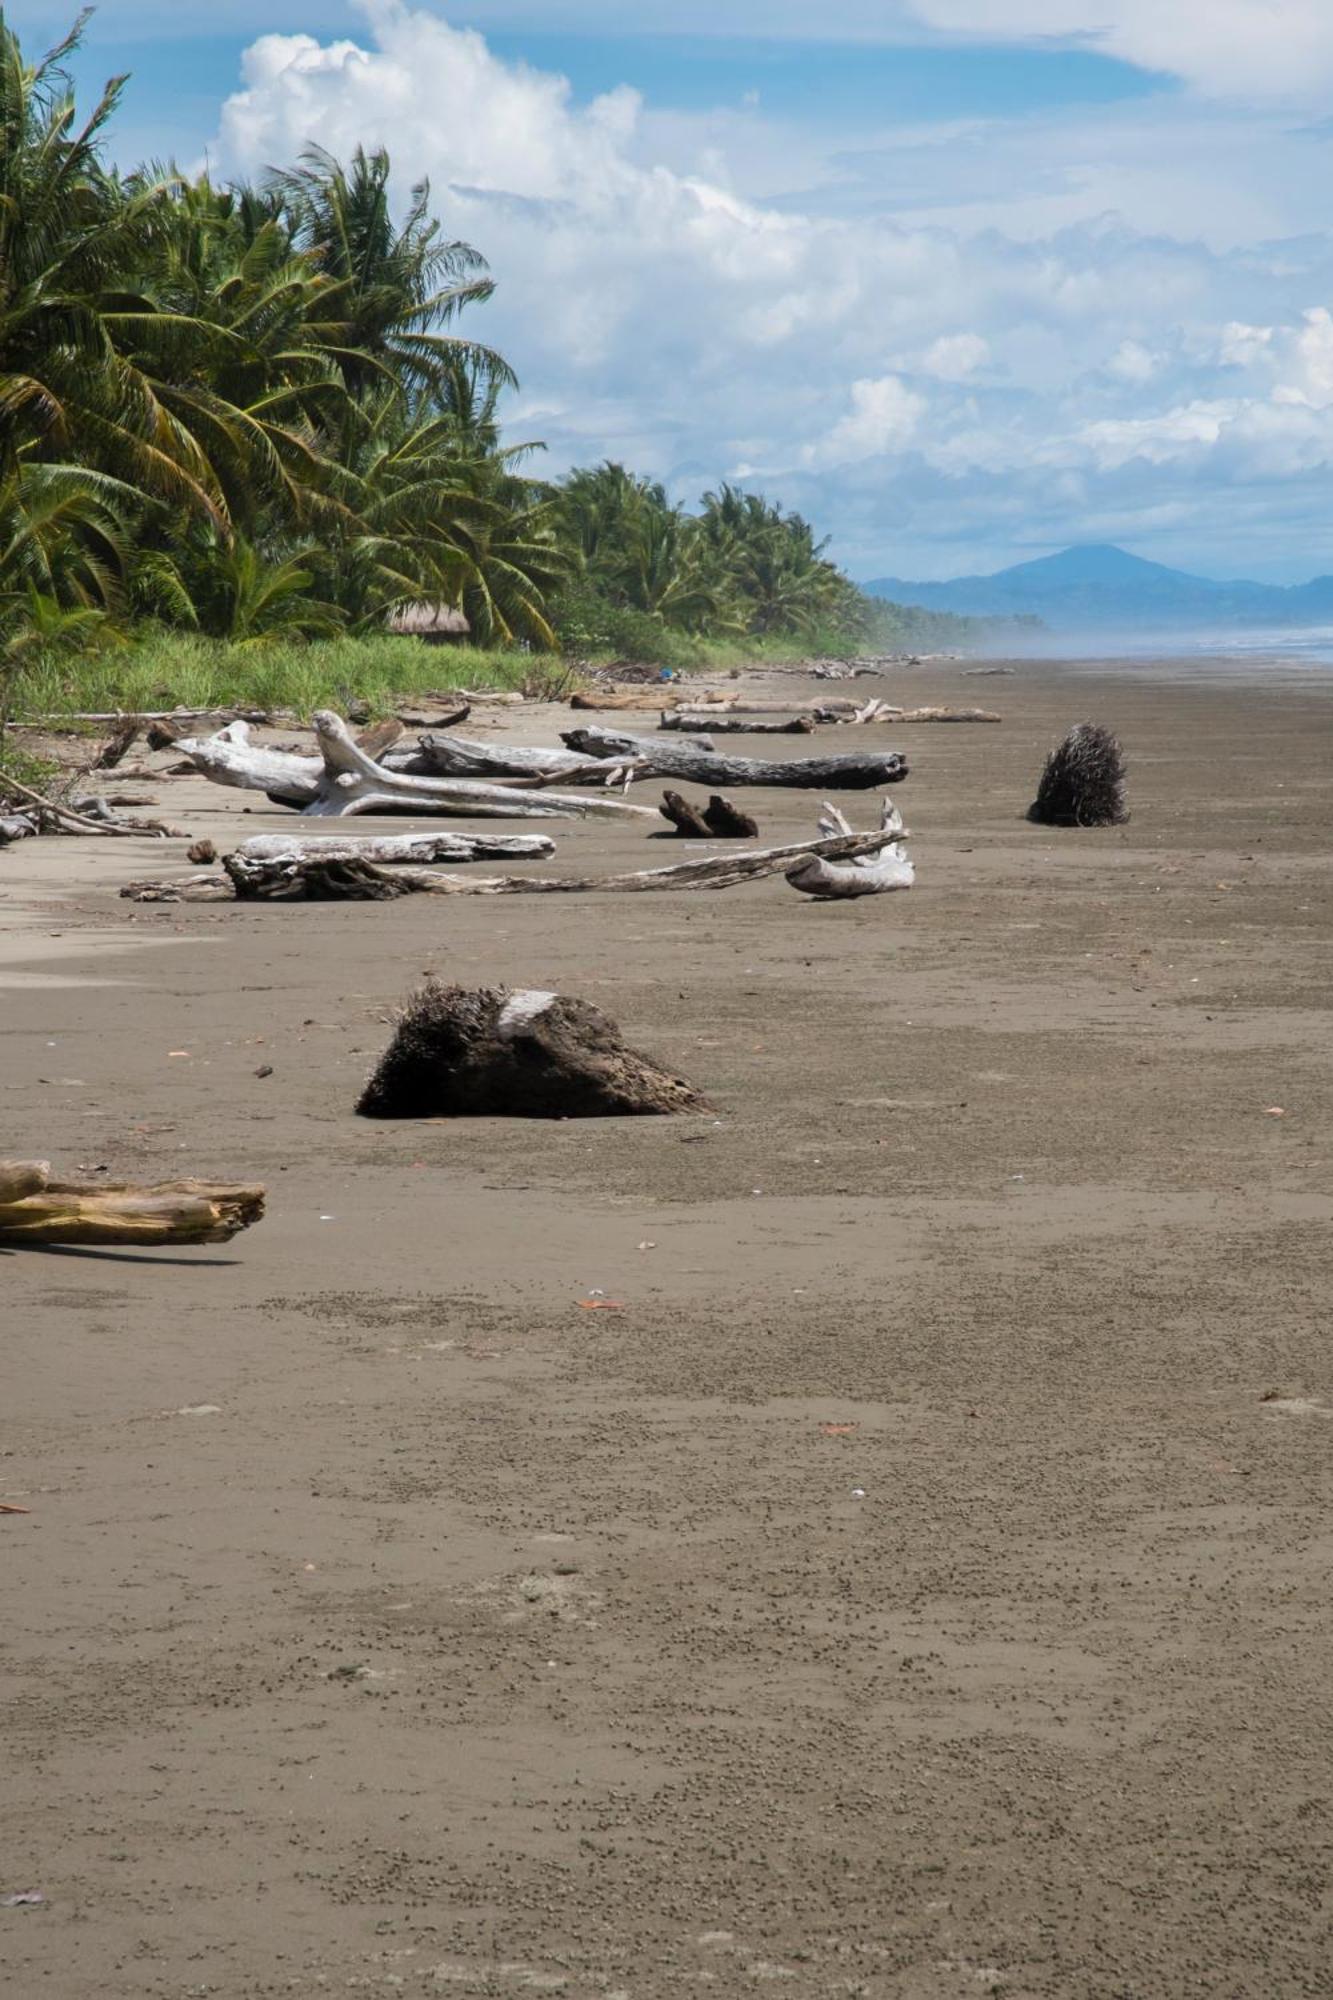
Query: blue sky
[963, 279]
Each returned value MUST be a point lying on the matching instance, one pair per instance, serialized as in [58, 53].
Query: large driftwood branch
[344, 780]
[463, 757]
[854, 772]
[862, 875]
[362, 881]
[388, 849]
[36, 1209]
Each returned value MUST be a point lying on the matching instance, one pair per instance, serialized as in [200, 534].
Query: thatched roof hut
[438, 624]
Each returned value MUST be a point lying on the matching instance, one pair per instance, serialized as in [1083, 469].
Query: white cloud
[905, 377]
[955, 356]
[1241, 48]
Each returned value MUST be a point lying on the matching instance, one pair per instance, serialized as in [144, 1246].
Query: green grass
[169, 670]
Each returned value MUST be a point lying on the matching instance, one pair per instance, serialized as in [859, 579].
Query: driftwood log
[862, 875]
[480, 1054]
[344, 780]
[356, 880]
[857, 771]
[718, 820]
[463, 757]
[735, 724]
[387, 849]
[36, 1209]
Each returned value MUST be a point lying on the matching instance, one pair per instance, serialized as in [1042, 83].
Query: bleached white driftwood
[392, 849]
[873, 874]
[358, 880]
[465, 757]
[858, 771]
[344, 780]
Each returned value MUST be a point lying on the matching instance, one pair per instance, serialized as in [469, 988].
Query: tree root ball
[493, 1054]
[1083, 781]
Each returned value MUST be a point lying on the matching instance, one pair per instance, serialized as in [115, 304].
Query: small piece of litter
[602, 1305]
[200, 1410]
[647, 1246]
[1275, 1111]
[858, 1493]
[178, 1055]
[6, 1508]
[265, 1069]
[22, 1899]
[838, 1430]
[309, 1568]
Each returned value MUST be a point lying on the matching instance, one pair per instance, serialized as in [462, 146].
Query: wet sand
[918, 1587]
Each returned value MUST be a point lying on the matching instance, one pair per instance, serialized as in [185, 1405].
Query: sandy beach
[912, 1582]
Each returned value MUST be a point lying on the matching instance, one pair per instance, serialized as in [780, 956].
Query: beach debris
[82, 815]
[363, 881]
[8, 1507]
[459, 1053]
[737, 725]
[464, 757]
[1083, 781]
[718, 820]
[202, 853]
[852, 772]
[345, 780]
[23, 1899]
[36, 1209]
[874, 874]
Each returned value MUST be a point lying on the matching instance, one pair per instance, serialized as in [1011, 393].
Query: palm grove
[248, 412]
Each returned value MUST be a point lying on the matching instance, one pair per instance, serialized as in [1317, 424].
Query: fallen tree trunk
[734, 725]
[36, 1209]
[654, 697]
[362, 881]
[463, 757]
[388, 849]
[16, 826]
[863, 875]
[495, 1054]
[855, 772]
[344, 780]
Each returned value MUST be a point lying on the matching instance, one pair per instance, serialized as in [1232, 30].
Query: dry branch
[36, 1209]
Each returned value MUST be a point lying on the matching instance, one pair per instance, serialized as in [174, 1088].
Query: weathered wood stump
[718, 820]
[485, 1054]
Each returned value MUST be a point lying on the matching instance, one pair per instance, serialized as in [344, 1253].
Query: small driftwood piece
[863, 875]
[489, 1054]
[735, 725]
[36, 1209]
[344, 780]
[413, 718]
[363, 881]
[859, 771]
[718, 820]
[17, 826]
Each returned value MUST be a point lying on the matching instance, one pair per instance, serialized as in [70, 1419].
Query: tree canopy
[252, 411]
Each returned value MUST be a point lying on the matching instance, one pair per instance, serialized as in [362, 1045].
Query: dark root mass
[1083, 782]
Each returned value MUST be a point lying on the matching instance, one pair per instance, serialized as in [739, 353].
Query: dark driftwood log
[1083, 781]
[36, 1209]
[857, 771]
[485, 1054]
[718, 820]
[734, 725]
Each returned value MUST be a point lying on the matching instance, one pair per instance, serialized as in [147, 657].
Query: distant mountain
[1100, 587]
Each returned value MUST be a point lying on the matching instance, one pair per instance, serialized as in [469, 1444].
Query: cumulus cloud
[902, 378]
